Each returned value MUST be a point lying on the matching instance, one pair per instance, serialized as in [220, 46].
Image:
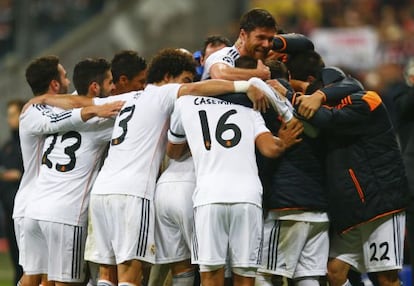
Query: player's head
[128, 71]
[277, 69]
[306, 67]
[47, 75]
[246, 62]
[93, 77]
[257, 29]
[171, 65]
[213, 43]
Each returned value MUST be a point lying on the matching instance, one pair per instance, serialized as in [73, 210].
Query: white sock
[183, 279]
[263, 280]
[307, 281]
[126, 284]
[102, 282]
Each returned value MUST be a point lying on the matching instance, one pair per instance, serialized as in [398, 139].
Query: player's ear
[167, 77]
[55, 85]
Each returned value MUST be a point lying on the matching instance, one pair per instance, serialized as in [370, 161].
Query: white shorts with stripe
[220, 229]
[374, 246]
[173, 221]
[295, 249]
[55, 249]
[19, 233]
[123, 229]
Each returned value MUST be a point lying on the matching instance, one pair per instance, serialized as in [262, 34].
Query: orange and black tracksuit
[365, 174]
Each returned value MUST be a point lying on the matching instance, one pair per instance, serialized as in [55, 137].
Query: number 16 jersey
[222, 138]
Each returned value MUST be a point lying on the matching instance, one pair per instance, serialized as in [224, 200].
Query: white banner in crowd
[353, 48]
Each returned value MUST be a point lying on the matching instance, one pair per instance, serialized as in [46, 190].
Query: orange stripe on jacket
[373, 99]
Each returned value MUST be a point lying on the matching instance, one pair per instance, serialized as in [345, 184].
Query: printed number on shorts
[221, 127]
[382, 249]
[124, 124]
[69, 150]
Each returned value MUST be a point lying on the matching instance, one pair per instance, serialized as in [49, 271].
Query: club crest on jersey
[229, 60]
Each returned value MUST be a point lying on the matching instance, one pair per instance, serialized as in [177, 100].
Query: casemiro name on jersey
[208, 100]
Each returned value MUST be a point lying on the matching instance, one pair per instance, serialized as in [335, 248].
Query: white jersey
[226, 55]
[70, 163]
[178, 171]
[36, 121]
[138, 142]
[221, 137]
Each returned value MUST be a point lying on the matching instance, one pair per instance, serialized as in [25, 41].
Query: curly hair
[171, 62]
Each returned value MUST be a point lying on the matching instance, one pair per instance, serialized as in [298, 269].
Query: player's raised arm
[218, 86]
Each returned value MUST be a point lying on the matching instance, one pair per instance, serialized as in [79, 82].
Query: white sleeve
[109, 99]
[282, 106]
[41, 119]
[214, 58]
[176, 133]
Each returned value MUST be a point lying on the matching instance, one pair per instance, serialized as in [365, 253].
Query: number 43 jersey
[69, 165]
[222, 138]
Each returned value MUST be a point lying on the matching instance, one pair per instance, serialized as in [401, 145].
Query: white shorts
[55, 249]
[295, 249]
[221, 229]
[374, 246]
[123, 229]
[19, 233]
[173, 221]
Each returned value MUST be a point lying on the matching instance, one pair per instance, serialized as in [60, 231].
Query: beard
[63, 89]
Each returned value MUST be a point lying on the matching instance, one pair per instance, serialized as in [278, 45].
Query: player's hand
[258, 98]
[262, 70]
[277, 86]
[109, 109]
[289, 132]
[309, 104]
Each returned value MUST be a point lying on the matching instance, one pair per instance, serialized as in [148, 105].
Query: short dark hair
[257, 18]
[171, 62]
[127, 63]
[277, 69]
[305, 64]
[40, 72]
[215, 40]
[246, 62]
[88, 71]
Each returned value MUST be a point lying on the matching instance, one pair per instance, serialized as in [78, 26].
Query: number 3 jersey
[138, 143]
[222, 138]
[69, 165]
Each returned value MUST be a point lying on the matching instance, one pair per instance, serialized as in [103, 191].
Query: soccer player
[129, 71]
[228, 197]
[121, 205]
[366, 182]
[56, 232]
[257, 30]
[174, 220]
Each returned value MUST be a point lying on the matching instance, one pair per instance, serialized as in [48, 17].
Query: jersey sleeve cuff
[76, 117]
[176, 138]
